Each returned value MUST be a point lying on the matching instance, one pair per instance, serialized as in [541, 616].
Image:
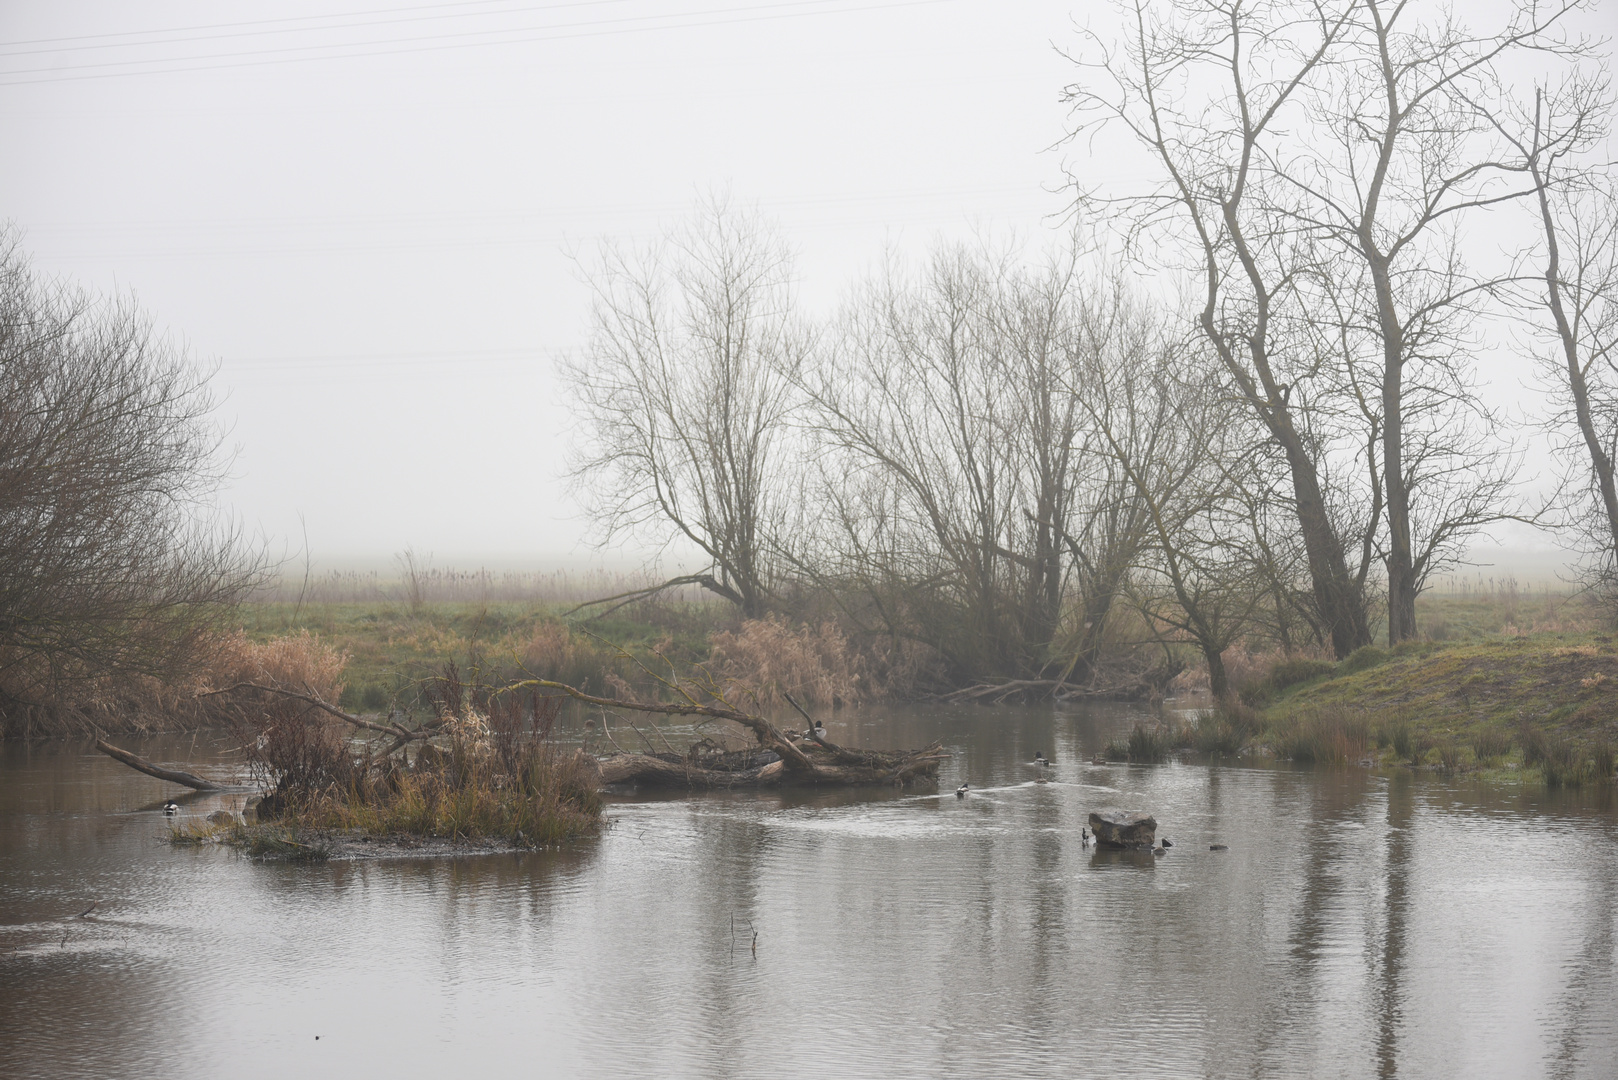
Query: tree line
[1243, 403]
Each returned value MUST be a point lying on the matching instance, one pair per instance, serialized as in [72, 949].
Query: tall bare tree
[684, 391]
[1205, 86]
[1577, 203]
[1404, 153]
[1320, 161]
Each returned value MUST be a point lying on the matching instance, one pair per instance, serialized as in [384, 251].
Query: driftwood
[173, 776]
[810, 761]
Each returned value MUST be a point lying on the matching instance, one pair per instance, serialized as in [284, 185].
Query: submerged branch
[173, 776]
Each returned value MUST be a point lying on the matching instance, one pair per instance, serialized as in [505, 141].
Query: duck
[1167, 842]
[960, 792]
[171, 808]
[1084, 837]
[1039, 758]
[818, 731]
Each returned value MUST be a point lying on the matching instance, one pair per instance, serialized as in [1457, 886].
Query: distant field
[393, 645]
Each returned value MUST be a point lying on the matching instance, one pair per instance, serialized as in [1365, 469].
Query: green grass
[1548, 701]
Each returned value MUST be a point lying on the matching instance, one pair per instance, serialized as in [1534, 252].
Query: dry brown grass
[300, 661]
[145, 703]
[771, 658]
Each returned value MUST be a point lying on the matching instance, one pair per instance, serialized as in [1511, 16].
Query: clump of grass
[1534, 742]
[1117, 750]
[1561, 764]
[192, 834]
[1601, 761]
[1490, 746]
[1147, 745]
[1366, 656]
[1217, 731]
[283, 844]
[1449, 755]
[1403, 740]
[1324, 736]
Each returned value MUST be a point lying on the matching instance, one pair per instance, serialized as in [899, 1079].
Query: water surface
[1360, 925]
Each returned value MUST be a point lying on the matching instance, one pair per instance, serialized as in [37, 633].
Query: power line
[9, 50]
[287, 19]
[54, 74]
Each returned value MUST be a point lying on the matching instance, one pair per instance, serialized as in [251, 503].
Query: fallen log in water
[857, 769]
[812, 761]
[778, 759]
[140, 764]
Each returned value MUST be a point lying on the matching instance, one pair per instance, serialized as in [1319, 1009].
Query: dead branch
[140, 764]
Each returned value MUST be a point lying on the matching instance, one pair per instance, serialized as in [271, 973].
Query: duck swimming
[960, 792]
[1039, 758]
[171, 808]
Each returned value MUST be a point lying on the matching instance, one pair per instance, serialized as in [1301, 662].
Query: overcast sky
[362, 212]
[365, 219]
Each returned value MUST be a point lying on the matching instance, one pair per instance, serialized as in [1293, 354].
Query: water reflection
[1358, 926]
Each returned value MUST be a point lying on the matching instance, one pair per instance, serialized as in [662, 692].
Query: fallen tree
[779, 758]
[173, 776]
[807, 761]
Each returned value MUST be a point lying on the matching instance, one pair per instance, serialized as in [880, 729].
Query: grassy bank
[1545, 703]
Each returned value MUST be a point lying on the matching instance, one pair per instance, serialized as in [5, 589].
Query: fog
[369, 223]
[369, 220]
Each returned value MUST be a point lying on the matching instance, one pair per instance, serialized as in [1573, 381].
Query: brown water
[1360, 925]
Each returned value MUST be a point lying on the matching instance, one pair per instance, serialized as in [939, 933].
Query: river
[1361, 924]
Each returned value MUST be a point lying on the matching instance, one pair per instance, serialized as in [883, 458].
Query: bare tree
[1320, 161]
[968, 497]
[1217, 195]
[1197, 578]
[113, 563]
[684, 391]
[1405, 151]
[1577, 201]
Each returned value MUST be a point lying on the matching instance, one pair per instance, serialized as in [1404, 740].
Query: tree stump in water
[1123, 829]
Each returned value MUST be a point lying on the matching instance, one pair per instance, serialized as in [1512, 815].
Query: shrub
[771, 658]
[1286, 673]
[553, 651]
[1362, 658]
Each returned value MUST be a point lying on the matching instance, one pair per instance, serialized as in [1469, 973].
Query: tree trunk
[1218, 679]
[1600, 463]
